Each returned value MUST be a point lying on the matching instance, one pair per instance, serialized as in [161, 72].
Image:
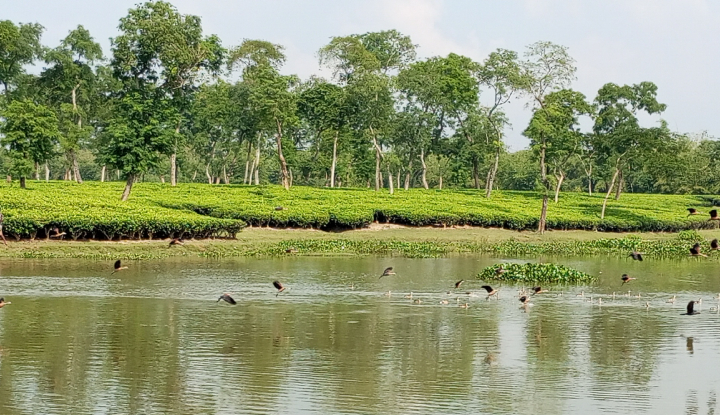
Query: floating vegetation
[536, 273]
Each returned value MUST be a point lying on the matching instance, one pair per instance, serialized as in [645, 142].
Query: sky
[673, 43]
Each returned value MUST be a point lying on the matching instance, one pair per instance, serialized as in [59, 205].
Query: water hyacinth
[534, 273]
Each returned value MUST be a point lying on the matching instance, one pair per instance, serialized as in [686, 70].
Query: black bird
[226, 297]
[457, 284]
[714, 215]
[625, 279]
[637, 256]
[714, 245]
[388, 271]
[690, 308]
[695, 250]
[525, 299]
[490, 290]
[692, 211]
[3, 303]
[279, 287]
[279, 208]
[176, 241]
[55, 233]
[537, 290]
[118, 267]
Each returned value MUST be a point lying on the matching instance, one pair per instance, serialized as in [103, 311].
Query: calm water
[152, 339]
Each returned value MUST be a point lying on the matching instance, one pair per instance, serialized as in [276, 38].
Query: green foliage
[19, 46]
[536, 273]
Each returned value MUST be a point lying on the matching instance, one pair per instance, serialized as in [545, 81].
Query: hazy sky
[675, 44]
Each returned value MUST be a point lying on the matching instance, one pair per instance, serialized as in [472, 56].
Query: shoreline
[377, 239]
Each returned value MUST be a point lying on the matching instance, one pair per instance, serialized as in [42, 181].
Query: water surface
[153, 339]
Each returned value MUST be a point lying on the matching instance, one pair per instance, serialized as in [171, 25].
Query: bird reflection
[689, 345]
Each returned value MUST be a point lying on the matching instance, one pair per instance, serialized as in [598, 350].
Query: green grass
[93, 210]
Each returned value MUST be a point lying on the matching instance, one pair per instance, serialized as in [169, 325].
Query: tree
[502, 74]
[19, 45]
[67, 84]
[619, 137]
[30, 134]
[554, 136]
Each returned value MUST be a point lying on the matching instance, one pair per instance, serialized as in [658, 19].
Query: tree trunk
[559, 183]
[37, 171]
[173, 168]
[621, 182]
[440, 184]
[334, 160]
[47, 172]
[492, 174]
[424, 169]
[546, 186]
[194, 176]
[22, 182]
[290, 176]
[378, 158]
[609, 190]
[225, 176]
[407, 176]
[162, 178]
[102, 173]
[390, 182]
[75, 167]
[284, 175]
[8, 178]
[398, 179]
[476, 176]
[207, 173]
[128, 186]
[248, 165]
[543, 213]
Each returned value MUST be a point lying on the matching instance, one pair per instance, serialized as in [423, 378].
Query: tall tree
[19, 46]
[30, 132]
[554, 136]
[619, 136]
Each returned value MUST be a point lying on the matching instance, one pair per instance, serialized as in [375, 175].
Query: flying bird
[691, 308]
[3, 303]
[625, 279]
[500, 270]
[227, 298]
[714, 215]
[491, 291]
[458, 284]
[279, 287]
[692, 211]
[714, 245]
[176, 241]
[388, 271]
[537, 290]
[55, 233]
[118, 267]
[637, 256]
[695, 250]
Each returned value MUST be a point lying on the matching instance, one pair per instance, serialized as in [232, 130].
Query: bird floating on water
[637, 256]
[671, 300]
[3, 303]
[538, 290]
[457, 284]
[279, 287]
[466, 305]
[625, 279]
[227, 298]
[118, 267]
[491, 291]
[695, 250]
[525, 300]
[388, 271]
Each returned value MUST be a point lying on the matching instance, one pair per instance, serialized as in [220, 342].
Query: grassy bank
[92, 210]
[384, 240]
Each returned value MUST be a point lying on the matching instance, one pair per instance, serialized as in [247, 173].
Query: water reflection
[79, 340]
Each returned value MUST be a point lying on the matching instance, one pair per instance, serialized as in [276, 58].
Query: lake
[153, 338]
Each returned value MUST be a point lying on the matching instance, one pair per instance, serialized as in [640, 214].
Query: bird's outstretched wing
[487, 288]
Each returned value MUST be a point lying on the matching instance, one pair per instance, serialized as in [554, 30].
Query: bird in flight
[525, 300]
[3, 303]
[388, 271]
[537, 290]
[692, 211]
[457, 284]
[714, 245]
[491, 291]
[691, 308]
[176, 241]
[695, 250]
[227, 298]
[55, 233]
[714, 215]
[625, 279]
[279, 287]
[637, 256]
[118, 267]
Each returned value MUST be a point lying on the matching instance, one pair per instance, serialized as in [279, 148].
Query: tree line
[170, 102]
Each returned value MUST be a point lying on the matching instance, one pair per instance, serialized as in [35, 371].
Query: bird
[537, 290]
[692, 211]
[444, 302]
[417, 301]
[176, 241]
[410, 296]
[466, 305]
[695, 250]
[279, 287]
[714, 215]
[118, 267]
[491, 291]
[227, 298]
[637, 256]
[279, 208]
[625, 279]
[690, 308]
[525, 299]
[55, 233]
[388, 271]
[671, 300]
[714, 245]
[647, 305]
[457, 284]
[3, 303]
[291, 251]
[500, 270]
